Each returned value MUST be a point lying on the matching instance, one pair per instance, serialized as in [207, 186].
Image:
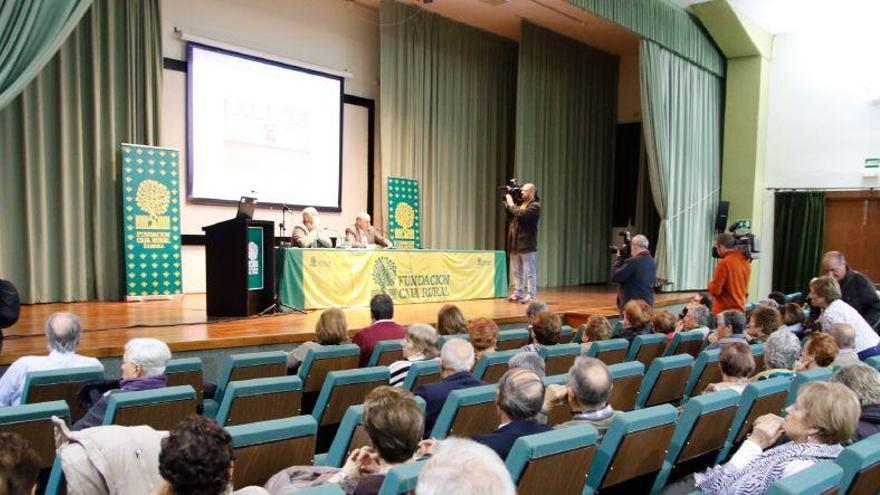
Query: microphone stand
[284, 210]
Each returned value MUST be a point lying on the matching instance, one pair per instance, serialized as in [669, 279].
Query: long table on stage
[323, 278]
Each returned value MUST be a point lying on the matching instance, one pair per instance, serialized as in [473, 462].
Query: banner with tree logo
[151, 220]
[404, 228]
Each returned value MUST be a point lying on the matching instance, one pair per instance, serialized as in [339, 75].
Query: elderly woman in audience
[331, 329]
[595, 329]
[737, 364]
[545, 331]
[777, 297]
[820, 351]
[824, 416]
[825, 294]
[864, 381]
[459, 465]
[781, 352]
[422, 343]
[696, 318]
[450, 320]
[763, 321]
[528, 361]
[143, 368]
[664, 322]
[793, 318]
[636, 319]
[533, 309]
[483, 334]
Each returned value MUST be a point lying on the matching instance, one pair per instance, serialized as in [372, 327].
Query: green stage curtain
[565, 120]
[647, 220]
[682, 119]
[31, 31]
[798, 239]
[446, 110]
[61, 231]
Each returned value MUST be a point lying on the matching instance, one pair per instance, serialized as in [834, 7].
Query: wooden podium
[239, 267]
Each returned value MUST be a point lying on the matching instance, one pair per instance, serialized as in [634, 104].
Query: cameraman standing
[730, 284]
[635, 272]
[522, 243]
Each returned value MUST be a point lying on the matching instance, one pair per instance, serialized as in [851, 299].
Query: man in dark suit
[456, 362]
[382, 328]
[520, 399]
[635, 274]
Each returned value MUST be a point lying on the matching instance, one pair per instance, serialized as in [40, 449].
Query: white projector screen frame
[194, 169]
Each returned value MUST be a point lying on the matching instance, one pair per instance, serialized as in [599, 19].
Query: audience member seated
[777, 297]
[450, 320]
[197, 458]
[703, 299]
[781, 351]
[769, 303]
[19, 465]
[824, 416]
[331, 329]
[825, 294]
[820, 351]
[534, 308]
[731, 325]
[143, 368]
[462, 466]
[10, 306]
[697, 318]
[587, 391]
[636, 319]
[844, 336]
[664, 322]
[595, 329]
[456, 363]
[864, 381]
[519, 400]
[793, 318]
[737, 364]
[421, 344]
[526, 360]
[545, 331]
[763, 321]
[483, 333]
[382, 327]
[62, 338]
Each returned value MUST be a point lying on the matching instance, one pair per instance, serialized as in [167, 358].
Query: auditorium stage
[183, 323]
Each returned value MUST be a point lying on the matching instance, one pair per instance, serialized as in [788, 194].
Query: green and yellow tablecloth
[323, 278]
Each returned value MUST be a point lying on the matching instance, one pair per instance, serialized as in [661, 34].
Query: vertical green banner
[255, 258]
[151, 220]
[403, 213]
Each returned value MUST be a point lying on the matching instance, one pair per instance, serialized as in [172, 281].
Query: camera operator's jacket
[522, 233]
[636, 276]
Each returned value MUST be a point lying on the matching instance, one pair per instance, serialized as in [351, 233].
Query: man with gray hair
[856, 288]
[865, 382]
[456, 362]
[519, 401]
[308, 233]
[845, 336]
[587, 392]
[364, 235]
[62, 338]
[781, 352]
[635, 274]
[528, 360]
[459, 465]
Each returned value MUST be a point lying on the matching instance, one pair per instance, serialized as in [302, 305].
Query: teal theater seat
[62, 384]
[665, 380]
[401, 479]
[706, 370]
[186, 371]
[537, 462]
[34, 423]
[512, 339]
[759, 398]
[758, 354]
[646, 348]
[260, 399]
[821, 478]
[386, 352]
[566, 334]
[609, 351]
[559, 358]
[245, 367]
[322, 360]
[160, 409]
[627, 382]
[805, 377]
[874, 362]
[861, 466]
[690, 342]
[265, 448]
[492, 365]
[422, 373]
[467, 412]
[346, 388]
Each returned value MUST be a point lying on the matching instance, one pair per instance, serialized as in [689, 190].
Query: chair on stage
[566, 334]
[699, 435]
[690, 342]
[759, 398]
[632, 451]
[706, 370]
[758, 354]
[265, 448]
[861, 466]
[646, 348]
[422, 373]
[160, 409]
[34, 423]
[260, 399]
[61, 384]
[559, 358]
[627, 382]
[401, 479]
[665, 381]
[492, 365]
[186, 371]
[512, 339]
[805, 377]
[467, 412]
[561, 413]
[536, 462]
[386, 352]
[341, 390]
[609, 351]
[821, 478]
[245, 367]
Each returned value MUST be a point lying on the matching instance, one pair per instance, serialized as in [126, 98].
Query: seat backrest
[467, 412]
[861, 466]
[260, 399]
[325, 489]
[634, 446]
[422, 373]
[706, 370]
[690, 342]
[665, 380]
[535, 462]
[401, 479]
[794, 297]
[492, 365]
[609, 351]
[322, 360]
[186, 371]
[559, 358]
[512, 339]
[566, 334]
[248, 366]
[874, 362]
[560, 413]
[646, 348]
[759, 398]
[63, 384]
[34, 423]
[758, 354]
[821, 478]
[265, 448]
[627, 382]
[386, 352]
[804, 377]
[161, 408]
[346, 388]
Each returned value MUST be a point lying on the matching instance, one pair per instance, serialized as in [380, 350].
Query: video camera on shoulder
[624, 250]
[513, 188]
[746, 242]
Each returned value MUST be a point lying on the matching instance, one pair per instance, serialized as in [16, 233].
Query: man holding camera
[635, 272]
[730, 284]
[522, 242]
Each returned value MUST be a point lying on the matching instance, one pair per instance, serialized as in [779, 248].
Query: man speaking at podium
[365, 235]
[309, 233]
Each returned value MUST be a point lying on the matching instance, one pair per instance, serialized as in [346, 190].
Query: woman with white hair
[422, 343]
[143, 368]
[781, 352]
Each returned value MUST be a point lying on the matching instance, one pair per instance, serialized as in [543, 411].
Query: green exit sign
[872, 162]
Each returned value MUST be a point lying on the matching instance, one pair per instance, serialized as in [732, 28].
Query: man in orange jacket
[730, 284]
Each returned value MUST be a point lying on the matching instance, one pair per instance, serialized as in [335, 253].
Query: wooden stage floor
[183, 324]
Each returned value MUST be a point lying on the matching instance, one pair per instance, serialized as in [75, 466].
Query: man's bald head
[457, 355]
[520, 394]
[62, 332]
[834, 265]
[530, 192]
[590, 382]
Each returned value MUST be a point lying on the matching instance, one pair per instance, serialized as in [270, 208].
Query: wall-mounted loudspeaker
[721, 217]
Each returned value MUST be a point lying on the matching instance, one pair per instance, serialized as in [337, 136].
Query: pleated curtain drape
[798, 239]
[60, 231]
[682, 119]
[565, 122]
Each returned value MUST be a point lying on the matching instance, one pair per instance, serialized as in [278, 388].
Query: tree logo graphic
[153, 197]
[384, 272]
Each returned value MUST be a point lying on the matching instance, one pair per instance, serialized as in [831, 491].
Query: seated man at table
[382, 328]
[364, 235]
[308, 233]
